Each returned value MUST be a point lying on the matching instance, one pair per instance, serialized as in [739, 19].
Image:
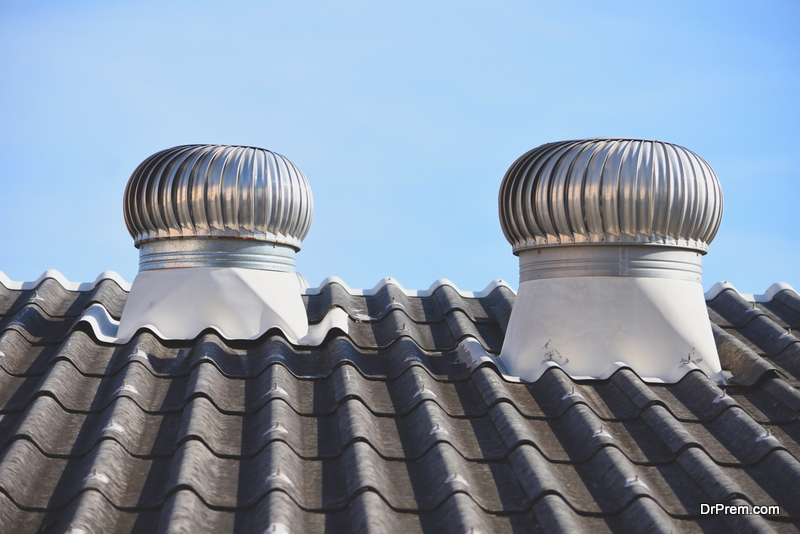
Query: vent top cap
[610, 191]
[217, 191]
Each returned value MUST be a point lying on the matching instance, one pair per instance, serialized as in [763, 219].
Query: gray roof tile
[382, 429]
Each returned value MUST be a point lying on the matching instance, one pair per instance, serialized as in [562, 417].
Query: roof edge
[767, 296]
[56, 275]
[490, 287]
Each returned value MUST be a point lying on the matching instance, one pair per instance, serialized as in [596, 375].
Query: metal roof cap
[610, 191]
[217, 228]
[216, 191]
[610, 234]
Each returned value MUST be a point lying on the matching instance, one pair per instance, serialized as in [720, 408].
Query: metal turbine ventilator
[217, 228]
[610, 234]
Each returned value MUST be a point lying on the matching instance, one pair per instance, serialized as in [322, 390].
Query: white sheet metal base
[238, 303]
[592, 325]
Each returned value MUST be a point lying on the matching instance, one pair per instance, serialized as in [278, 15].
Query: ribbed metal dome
[218, 191]
[610, 190]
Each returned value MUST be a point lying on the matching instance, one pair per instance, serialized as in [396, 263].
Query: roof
[401, 424]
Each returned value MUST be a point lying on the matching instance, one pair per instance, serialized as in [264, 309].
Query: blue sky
[403, 116]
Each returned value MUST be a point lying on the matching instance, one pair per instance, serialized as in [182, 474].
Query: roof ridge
[490, 287]
[767, 296]
[56, 275]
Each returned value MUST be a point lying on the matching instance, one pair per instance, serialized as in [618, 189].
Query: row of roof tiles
[383, 429]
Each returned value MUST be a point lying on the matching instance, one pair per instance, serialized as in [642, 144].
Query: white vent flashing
[650, 315]
[107, 329]
[240, 288]
[239, 303]
[250, 289]
[609, 234]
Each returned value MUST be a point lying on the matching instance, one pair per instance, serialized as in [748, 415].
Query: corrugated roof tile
[386, 428]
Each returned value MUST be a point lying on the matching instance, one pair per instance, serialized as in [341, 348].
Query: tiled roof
[388, 428]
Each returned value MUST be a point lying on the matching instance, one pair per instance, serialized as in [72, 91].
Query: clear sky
[404, 117]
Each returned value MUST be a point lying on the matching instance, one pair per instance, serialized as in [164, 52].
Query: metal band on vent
[246, 254]
[649, 262]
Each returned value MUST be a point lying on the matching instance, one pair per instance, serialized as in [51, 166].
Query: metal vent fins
[218, 191]
[609, 190]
